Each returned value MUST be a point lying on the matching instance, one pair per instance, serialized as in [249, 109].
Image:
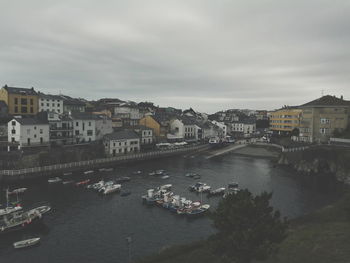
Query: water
[86, 227]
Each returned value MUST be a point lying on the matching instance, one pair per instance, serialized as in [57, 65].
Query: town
[32, 120]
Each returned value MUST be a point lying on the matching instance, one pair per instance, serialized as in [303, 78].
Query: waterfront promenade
[44, 171]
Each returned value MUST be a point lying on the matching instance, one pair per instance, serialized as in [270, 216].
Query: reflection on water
[87, 227]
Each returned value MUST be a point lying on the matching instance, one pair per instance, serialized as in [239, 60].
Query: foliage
[248, 226]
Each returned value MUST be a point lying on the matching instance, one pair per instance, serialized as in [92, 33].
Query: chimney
[341, 97]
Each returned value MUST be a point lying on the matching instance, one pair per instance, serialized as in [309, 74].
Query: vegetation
[319, 237]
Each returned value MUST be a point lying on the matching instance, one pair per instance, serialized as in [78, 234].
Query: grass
[319, 237]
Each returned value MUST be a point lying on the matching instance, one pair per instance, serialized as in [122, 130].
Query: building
[61, 129]
[130, 114]
[159, 123]
[71, 105]
[285, 120]
[145, 134]
[3, 109]
[28, 132]
[223, 128]
[20, 101]
[121, 142]
[50, 103]
[320, 118]
[245, 127]
[90, 127]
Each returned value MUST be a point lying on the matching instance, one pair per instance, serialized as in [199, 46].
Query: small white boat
[152, 173]
[18, 191]
[112, 188]
[68, 182]
[89, 172]
[26, 243]
[165, 177]
[67, 173]
[54, 180]
[166, 187]
[160, 172]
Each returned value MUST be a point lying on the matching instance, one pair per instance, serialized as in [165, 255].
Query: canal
[87, 227]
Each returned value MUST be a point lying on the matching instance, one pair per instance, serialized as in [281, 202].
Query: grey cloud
[207, 54]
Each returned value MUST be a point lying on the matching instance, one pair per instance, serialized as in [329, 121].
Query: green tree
[248, 227]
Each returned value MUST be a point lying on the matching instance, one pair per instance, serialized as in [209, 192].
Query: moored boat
[165, 177]
[26, 243]
[89, 172]
[219, 191]
[18, 191]
[54, 180]
[82, 182]
[68, 182]
[112, 188]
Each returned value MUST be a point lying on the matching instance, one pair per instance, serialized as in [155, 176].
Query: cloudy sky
[210, 55]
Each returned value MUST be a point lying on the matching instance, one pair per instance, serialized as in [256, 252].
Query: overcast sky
[208, 54]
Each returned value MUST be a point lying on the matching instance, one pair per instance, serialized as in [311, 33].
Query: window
[31, 102]
[24, 101]
[41, 131]
[31, 110]
[89, 132]
[13, 123]
[13, 131]
[34, 135]
[76, 132]
[16, 100]
[42, 104]
[77, 124]
[28, 131]
[89, 123]
[24, 109]
[34, 127]
[47, 104]
[16, 109]
[325, 121]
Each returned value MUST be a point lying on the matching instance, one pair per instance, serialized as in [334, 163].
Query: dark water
[86, 227]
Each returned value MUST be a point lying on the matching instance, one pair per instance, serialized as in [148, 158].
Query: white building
[222, 127]
[28, 132]
[89, 127]
[121, 142]
[50, 103]
[176, 131]
[245, 127]
[129, 113]
[183, 129]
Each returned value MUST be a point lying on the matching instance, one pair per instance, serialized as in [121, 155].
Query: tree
[248, 227]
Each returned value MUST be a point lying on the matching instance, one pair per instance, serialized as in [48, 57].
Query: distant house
[245, 127]
[145, 134]
[223, 128]
[28, 132]
[160, 123]
[71, 105]
[130, 114]
[50, 103]
[20, 101]
[121, 142]
[90, 127]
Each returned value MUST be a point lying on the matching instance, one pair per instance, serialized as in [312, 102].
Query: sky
[205, 54]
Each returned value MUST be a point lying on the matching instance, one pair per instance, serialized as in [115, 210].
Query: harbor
[85, 225]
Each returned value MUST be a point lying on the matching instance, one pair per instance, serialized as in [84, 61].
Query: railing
[63, 166]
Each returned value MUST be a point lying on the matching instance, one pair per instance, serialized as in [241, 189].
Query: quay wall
[49, 170]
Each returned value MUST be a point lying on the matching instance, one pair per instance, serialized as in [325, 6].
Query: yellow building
[285, 120]
[20, 101]
[150, 122]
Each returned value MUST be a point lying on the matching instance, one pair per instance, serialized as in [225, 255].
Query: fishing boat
[26, 243]
[198, 210]
[200, 187]
[219, 191]
[54, 180]
[10, 209]
[89, 172]
[122, 179]
[68, 182]
[82, 182]
[165, 177]
[17, 191]
[112, 188]
[105, 185]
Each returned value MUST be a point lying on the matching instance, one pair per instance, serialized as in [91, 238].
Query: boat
[68, 182]
[125, 193]
[219, 191]
[112, 188]
[152, 173]
[233, 185]
[199, 210]
[105, 185]
[17, 191]
[89, 172]
[108, 169]
[21, 219]
[98, 185]
[137, 172]
[122, 179]
[54, 180]
[26, 243]
[67, 173]
[166, 187]
[160, 172]
[200, 187]
[165, 177]
[82, 182]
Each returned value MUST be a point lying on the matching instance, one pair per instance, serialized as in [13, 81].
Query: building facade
[28, 132]
[20, 101]
[50, 103]
[121, 142]
[285, 120]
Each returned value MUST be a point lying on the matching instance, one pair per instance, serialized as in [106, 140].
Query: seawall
[56, 169]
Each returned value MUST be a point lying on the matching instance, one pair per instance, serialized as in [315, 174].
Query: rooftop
[31, 121]
[121, 135]
[327, 100]
[23, 91]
